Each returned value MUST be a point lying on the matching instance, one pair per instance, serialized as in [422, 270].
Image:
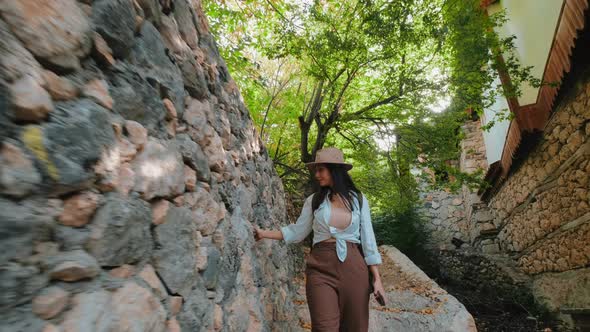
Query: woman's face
[323, 176]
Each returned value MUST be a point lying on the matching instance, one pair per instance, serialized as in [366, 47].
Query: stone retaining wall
[130, 174]
[460, 219]
[538, 224]
[544, 207]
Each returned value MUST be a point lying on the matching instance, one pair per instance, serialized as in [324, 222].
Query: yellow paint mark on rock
[33, 139]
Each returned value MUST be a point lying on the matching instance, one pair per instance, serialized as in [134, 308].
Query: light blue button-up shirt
[360, 226]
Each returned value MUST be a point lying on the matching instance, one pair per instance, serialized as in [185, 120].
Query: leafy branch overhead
[365, 64]
[356, 73]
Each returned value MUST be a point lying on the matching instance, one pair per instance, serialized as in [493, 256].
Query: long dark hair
[342, 184]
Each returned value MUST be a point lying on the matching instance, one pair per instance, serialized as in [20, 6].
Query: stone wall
[460, 219]
[543, 203]
[130, 174]
[537, 226]
[473, 152]
[445, 219]
[543, 208]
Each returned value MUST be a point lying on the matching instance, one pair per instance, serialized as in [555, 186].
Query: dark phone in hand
[380, 299]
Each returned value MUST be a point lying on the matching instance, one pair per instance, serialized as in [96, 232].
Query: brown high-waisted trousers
[337, 292]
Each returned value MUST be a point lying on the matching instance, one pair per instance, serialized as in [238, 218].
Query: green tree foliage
[274, 90]
[371, 64]
[476, 55]
[402, 229]
[351, 73]
[337, 73]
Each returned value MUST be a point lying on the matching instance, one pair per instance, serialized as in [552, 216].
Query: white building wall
[494, 138]
[536, 20]
[533, 22]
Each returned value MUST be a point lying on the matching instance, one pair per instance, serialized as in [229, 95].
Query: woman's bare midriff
[329, 240]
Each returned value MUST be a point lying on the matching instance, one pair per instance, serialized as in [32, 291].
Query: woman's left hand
[378, 287]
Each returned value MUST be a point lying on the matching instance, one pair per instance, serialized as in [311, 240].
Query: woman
[344, 247]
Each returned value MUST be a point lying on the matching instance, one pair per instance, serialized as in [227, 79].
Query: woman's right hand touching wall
[258, 233]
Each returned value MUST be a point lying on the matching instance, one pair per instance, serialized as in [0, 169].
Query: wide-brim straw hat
[329, 156]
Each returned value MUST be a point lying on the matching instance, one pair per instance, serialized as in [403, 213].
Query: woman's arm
[375, 271]
[368, 241]
[292, 233]
[369, 244]
[266, 234]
